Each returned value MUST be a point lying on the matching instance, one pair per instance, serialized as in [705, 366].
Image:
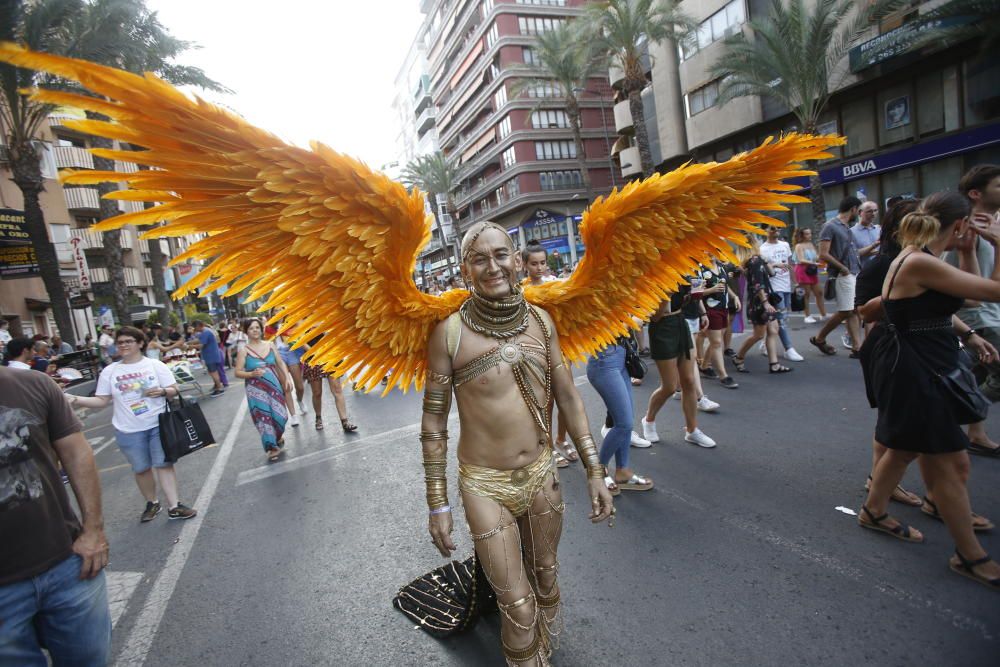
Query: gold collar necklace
[498, 318]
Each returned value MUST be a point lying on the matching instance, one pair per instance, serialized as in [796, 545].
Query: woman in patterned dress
[265, 373]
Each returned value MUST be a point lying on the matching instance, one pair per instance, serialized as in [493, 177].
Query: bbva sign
[859, 168]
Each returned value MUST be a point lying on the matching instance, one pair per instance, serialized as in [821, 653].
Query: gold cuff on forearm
[588, 455]
[435, 470]
[437, 401]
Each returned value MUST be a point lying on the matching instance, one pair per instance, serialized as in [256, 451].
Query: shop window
[896, 114]
[982, 90]
[940, 175]
[859, 126]
[900, 182]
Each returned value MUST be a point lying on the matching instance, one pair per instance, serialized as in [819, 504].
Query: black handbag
[830, 291]
[812, 270]
[183, 430]
[448, 600]
[634, 364]
[962, 391]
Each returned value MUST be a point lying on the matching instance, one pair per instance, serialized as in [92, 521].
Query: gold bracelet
[435, 470]
[431, 436]
[438, 377]
[437, 401]
[588, 455]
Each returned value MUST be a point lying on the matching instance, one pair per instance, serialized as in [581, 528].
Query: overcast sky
[303, 69]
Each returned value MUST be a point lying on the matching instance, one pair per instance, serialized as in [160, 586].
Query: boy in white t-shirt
[778, 255]
[138, 388]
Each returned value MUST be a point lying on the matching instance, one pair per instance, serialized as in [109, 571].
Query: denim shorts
[213, 366]
[142, 449]
[292, 357]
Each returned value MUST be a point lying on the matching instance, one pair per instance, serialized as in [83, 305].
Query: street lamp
[604, 124]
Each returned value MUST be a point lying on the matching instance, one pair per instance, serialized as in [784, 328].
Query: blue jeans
[56, 610]
[606, 372]
[786, 306]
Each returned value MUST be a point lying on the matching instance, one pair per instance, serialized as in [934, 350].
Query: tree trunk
[156, 269]
[27, 171]
[816, 196]
[634, 84]
[573, 111]
[112, 239]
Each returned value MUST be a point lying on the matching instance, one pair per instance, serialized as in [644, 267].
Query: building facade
[70, 212]
[514, 148]
[914, 122]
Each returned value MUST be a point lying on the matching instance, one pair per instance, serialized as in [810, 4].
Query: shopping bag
[183, 430]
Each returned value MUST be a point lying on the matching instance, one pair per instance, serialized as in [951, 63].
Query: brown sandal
[348, 426]
[899, 531]
[930, 509]
[823, 346]
[319, 423]
[899, 494]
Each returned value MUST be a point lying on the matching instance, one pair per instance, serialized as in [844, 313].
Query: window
[508, 159]
[536, 25]
[895, 107]
[561, 180]
[503, 128]
[555, 150]
[702, 98]
[549, 118]
[500, 97]
[721, 24]
[507, 191]
[529, 55]
[551, 3]
[546, 89]
[492, 35]
[859, 126]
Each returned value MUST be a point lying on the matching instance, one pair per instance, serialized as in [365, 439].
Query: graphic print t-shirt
[127, 384]
[37, 522]
[778, 253]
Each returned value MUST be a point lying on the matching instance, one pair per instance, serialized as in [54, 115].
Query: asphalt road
[739, 556]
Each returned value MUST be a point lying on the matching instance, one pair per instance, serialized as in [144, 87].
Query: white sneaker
[763, 349]
[604, 431]
[641, 443]
[649, 431]
[792, 355]
[810, 320]
[294, 420]
[678, 394]
[302, 408]
[846, 341]
[705, 404]
[696, 437]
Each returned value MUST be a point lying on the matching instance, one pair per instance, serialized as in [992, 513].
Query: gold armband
[438, 377]
[435, 467]
[588, 454]
[437, 401]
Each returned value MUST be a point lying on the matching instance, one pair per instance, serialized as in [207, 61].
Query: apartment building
[70, 213]
[515, 150]
[914, 122]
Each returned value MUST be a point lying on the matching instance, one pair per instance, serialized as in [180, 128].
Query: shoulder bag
[183, 430]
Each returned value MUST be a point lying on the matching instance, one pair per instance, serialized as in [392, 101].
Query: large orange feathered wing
[329, 242]
[642, 240]
[333, 244]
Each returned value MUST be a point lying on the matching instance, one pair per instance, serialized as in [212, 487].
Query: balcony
[426, 119]
[91, 239]
[630, 161]
[133, 277]
[623, 118]
[82, 199]
[59, 119]
[71, 157]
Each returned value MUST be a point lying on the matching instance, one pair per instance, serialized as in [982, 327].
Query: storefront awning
[37, 304]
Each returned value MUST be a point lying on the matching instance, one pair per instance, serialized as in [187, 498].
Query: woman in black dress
[761, 309]
[915, 416]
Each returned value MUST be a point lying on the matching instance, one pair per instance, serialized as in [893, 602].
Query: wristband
[440, 510]
[966, 335]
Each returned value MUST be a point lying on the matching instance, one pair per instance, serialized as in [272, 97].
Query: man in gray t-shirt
[838, 249]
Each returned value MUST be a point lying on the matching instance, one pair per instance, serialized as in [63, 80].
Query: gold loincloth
[514, 489]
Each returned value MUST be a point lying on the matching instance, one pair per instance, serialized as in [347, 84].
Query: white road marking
[954, 618]
[330, 453]
[121, 586]
[107, 444]
[140, 640]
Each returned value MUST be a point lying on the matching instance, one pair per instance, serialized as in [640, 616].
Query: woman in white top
[138, 388]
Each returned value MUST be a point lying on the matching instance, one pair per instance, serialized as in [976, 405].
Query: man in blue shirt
[866, 233]
[210, 353]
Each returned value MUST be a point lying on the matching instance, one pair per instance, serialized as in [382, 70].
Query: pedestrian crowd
[919, 296]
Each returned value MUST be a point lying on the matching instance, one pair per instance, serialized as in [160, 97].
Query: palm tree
[126, 35]
[37, 25]
[564, 55]
[435, 175]
[622, 29]
[796, 56]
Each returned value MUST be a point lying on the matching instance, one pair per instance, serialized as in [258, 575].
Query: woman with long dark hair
[266, 375]
[917, 415]
[761, 308]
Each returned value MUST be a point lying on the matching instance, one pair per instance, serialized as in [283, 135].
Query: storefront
[552, 231]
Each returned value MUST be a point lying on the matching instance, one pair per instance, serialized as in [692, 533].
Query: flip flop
[823, 346]
[899, 531]
[635, 483]
[930, 509]
[979, 450]
[613, 488]
[561, 461]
